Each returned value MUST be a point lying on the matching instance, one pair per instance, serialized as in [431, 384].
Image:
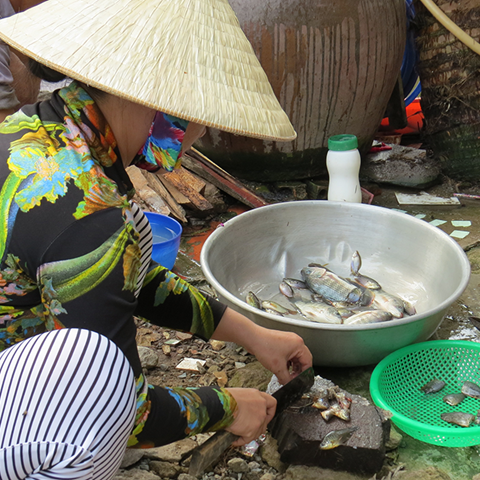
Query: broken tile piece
[425, 199]
[421, 215]
[459, 234]
[190, 364]
[461, 223]
[437, 222]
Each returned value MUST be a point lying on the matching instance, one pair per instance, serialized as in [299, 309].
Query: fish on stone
[454, 399]
[336, 438]
[461, 419]
[433, 386]
[334, 393]
[336, 410]
[471, 390]
[322, 401]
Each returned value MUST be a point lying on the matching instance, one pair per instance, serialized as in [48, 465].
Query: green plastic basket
[396, 384]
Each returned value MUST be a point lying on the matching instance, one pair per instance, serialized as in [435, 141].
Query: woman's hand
[254, 410]
[283, 353]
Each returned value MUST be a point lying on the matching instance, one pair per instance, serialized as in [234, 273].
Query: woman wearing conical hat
[148, 77]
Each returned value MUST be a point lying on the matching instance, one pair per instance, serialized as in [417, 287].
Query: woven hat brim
[187, 58]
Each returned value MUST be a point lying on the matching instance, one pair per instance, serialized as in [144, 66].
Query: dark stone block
[300, 430]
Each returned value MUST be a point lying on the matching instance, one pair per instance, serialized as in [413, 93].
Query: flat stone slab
[403, 166]
[300, 430]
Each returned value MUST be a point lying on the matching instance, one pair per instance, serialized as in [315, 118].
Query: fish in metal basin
[336, 438]
[316, 311]
[253, 300]
[454, 399]
[368, 316]
[461, 419]
[360, 279]
[471, 390]
[433, 386]
[330, 286]
[386, 301]
[276, 308]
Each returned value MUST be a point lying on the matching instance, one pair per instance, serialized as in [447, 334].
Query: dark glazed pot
[332, 64]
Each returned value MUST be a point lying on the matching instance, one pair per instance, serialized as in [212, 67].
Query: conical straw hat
[187, 58]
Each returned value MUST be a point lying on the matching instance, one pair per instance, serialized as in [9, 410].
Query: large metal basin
[409, 257]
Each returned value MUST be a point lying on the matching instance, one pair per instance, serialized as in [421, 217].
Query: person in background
[18, 86]
[148, 78]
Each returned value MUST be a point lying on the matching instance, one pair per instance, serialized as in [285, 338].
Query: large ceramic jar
[333, 65]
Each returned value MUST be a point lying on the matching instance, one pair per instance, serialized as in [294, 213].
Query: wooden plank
[179, 197]
[191, 179]
[178, 181]
[208, 170]
[155, 183]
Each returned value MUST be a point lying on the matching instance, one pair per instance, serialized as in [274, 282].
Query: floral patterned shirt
[70, 256]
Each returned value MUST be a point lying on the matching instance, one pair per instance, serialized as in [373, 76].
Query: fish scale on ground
[323, 296]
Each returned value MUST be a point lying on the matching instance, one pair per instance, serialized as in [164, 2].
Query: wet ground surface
[459, 463]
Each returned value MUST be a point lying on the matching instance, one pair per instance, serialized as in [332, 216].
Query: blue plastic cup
[166, 233]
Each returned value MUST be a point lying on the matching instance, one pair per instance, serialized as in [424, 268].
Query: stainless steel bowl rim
[325, 326]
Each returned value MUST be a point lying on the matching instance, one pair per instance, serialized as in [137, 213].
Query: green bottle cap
[341, 143]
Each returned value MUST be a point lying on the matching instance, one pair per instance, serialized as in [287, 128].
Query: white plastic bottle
[343, 165]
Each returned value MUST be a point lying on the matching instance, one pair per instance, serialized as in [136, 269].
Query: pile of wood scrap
[196, 187]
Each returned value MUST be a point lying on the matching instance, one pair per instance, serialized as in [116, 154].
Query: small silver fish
[276, 307]
[317, 312]
[461, 419]
[356, 263]
[386, 301]
[295, 283]
[433, 386]
[477, 419]
[336, 438]
[369, 316]
[358, 278]
[454, 399]
[471, 390]
[253, 300]
[330, 286]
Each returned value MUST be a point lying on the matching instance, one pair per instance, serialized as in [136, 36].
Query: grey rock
[430, 473]
[267, 476]
[299, 432]
[186, 476]
[476, 477]
[132, 456]
[301, 472]
[394, 440]
[253, 375]
[148, 357]
[174, 452]
[135, 474]
[165, 469]
[237, 465]
[270, 455]
[403, 166]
